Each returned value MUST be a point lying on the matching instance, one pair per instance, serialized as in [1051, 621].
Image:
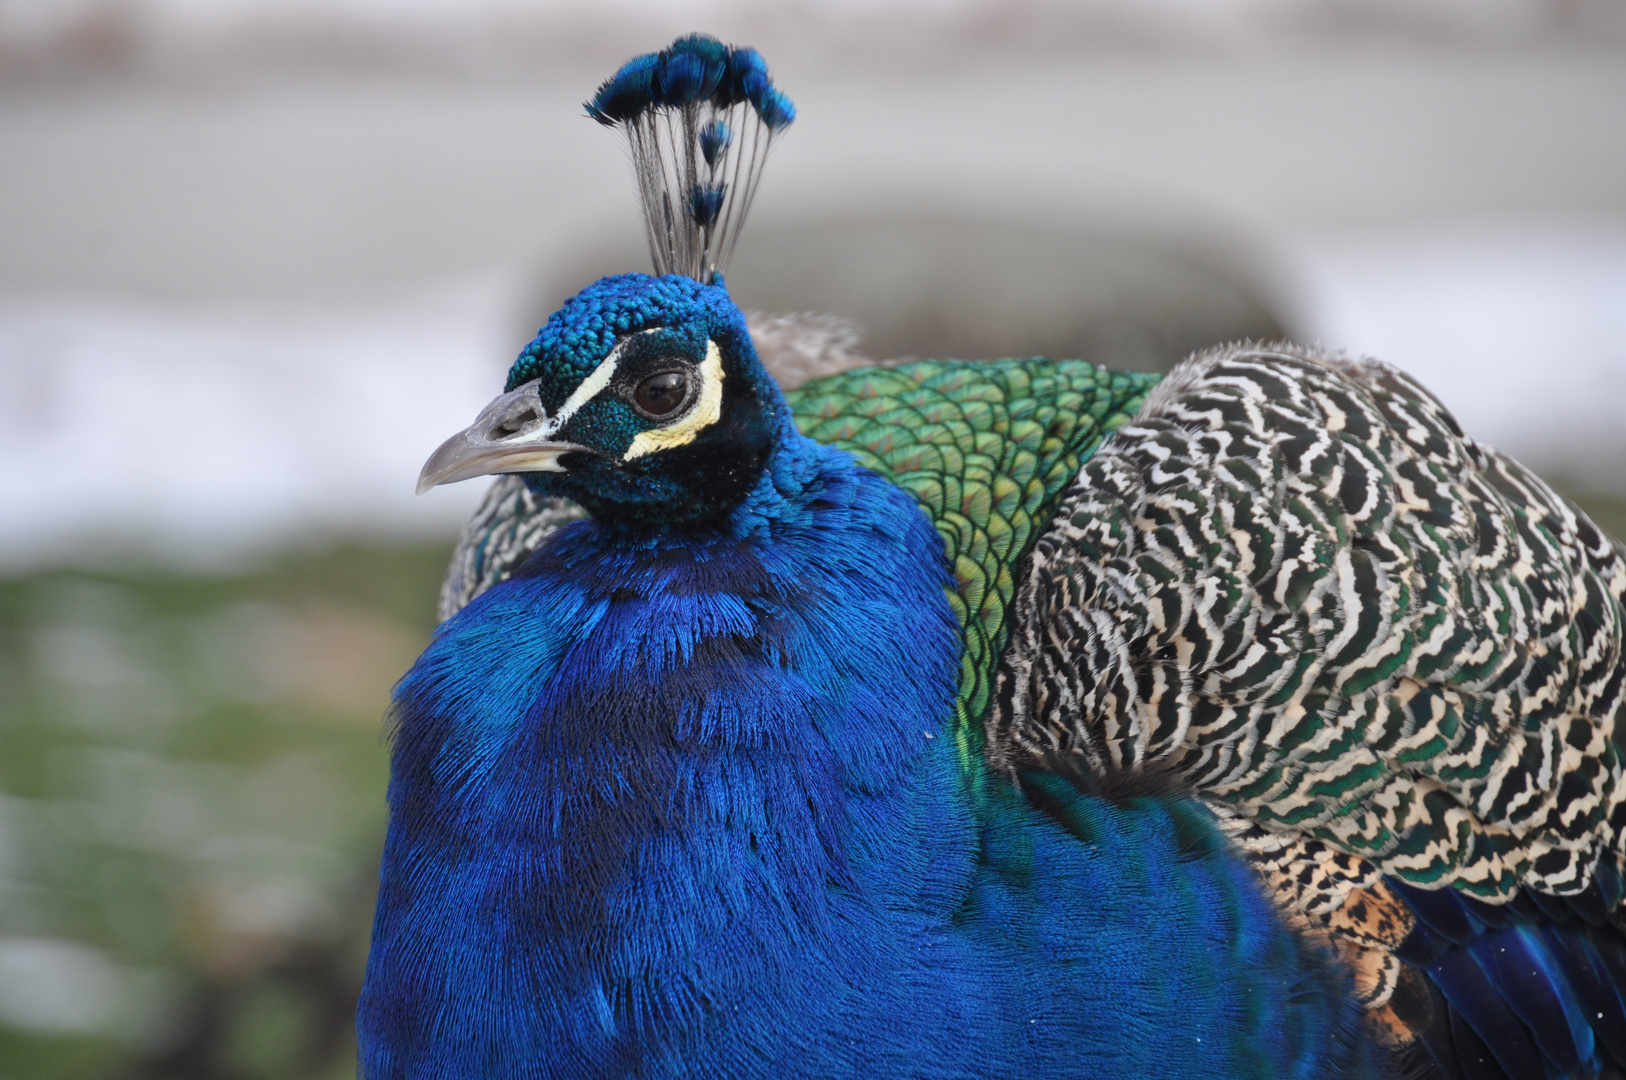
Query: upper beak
[512, 434]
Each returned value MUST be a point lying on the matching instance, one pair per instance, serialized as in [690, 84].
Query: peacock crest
[700, 117]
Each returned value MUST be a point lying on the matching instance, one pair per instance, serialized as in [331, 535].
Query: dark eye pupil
[662, 395]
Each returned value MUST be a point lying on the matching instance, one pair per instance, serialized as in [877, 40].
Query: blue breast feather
[684, 806]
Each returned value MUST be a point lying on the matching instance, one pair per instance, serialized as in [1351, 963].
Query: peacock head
[642, 398]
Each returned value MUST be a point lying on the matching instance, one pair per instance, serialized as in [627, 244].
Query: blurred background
[258, 257]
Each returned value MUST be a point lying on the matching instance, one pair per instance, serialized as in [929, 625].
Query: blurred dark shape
[290, 1015]
[801, 346]
[949, 286]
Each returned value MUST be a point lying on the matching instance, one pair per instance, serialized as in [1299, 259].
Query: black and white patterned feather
[1294, 582]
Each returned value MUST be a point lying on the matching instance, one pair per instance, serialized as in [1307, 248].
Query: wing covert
[1293, 581]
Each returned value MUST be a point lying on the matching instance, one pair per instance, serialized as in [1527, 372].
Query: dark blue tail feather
[1442, 911]
[1597, 995]
[1473, 1057]
[1528, 978]
[1474, 994]
[1533, 989]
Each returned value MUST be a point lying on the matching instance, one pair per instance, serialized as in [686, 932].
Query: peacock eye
[662, 395]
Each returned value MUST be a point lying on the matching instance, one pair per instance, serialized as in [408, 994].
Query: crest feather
[700, 117]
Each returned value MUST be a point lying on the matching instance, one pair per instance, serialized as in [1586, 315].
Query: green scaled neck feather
[989, 449]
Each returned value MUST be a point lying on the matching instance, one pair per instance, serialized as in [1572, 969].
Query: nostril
[513, 425]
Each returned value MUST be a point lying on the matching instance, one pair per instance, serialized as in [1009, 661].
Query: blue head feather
[706, 203]
[748, 75]
[670, 316]
[686, 78]
[705, 50]
[626, 94]
[578, 336]
[775, 108]
[693, 70]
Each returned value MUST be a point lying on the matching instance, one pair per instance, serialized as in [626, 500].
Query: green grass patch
[191, 808]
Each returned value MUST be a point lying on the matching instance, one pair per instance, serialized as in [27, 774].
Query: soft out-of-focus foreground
[258, 258]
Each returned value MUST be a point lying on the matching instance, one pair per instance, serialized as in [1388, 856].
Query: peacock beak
[513, 434]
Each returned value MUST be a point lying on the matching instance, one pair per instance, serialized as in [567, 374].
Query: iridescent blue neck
[635, 764]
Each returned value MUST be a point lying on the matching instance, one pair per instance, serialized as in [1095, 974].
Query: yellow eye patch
[687, 428]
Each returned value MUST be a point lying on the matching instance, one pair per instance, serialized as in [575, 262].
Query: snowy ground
[1521, 332]
[221, 433]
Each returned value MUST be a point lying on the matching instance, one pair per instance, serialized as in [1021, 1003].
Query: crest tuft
[700, 117]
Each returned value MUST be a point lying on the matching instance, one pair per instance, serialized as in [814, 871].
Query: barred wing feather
[1294, 583]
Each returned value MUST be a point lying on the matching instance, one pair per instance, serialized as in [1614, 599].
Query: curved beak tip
[487, 447]
[463, 458]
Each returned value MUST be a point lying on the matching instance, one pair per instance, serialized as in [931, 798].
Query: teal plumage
[1014, 718]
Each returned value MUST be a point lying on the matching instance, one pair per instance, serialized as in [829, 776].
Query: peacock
[1011, 718]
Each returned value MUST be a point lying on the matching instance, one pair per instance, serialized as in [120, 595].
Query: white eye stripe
[590, 387]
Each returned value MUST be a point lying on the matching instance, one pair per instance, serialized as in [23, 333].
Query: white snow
[206, 435]
[1521, 332]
